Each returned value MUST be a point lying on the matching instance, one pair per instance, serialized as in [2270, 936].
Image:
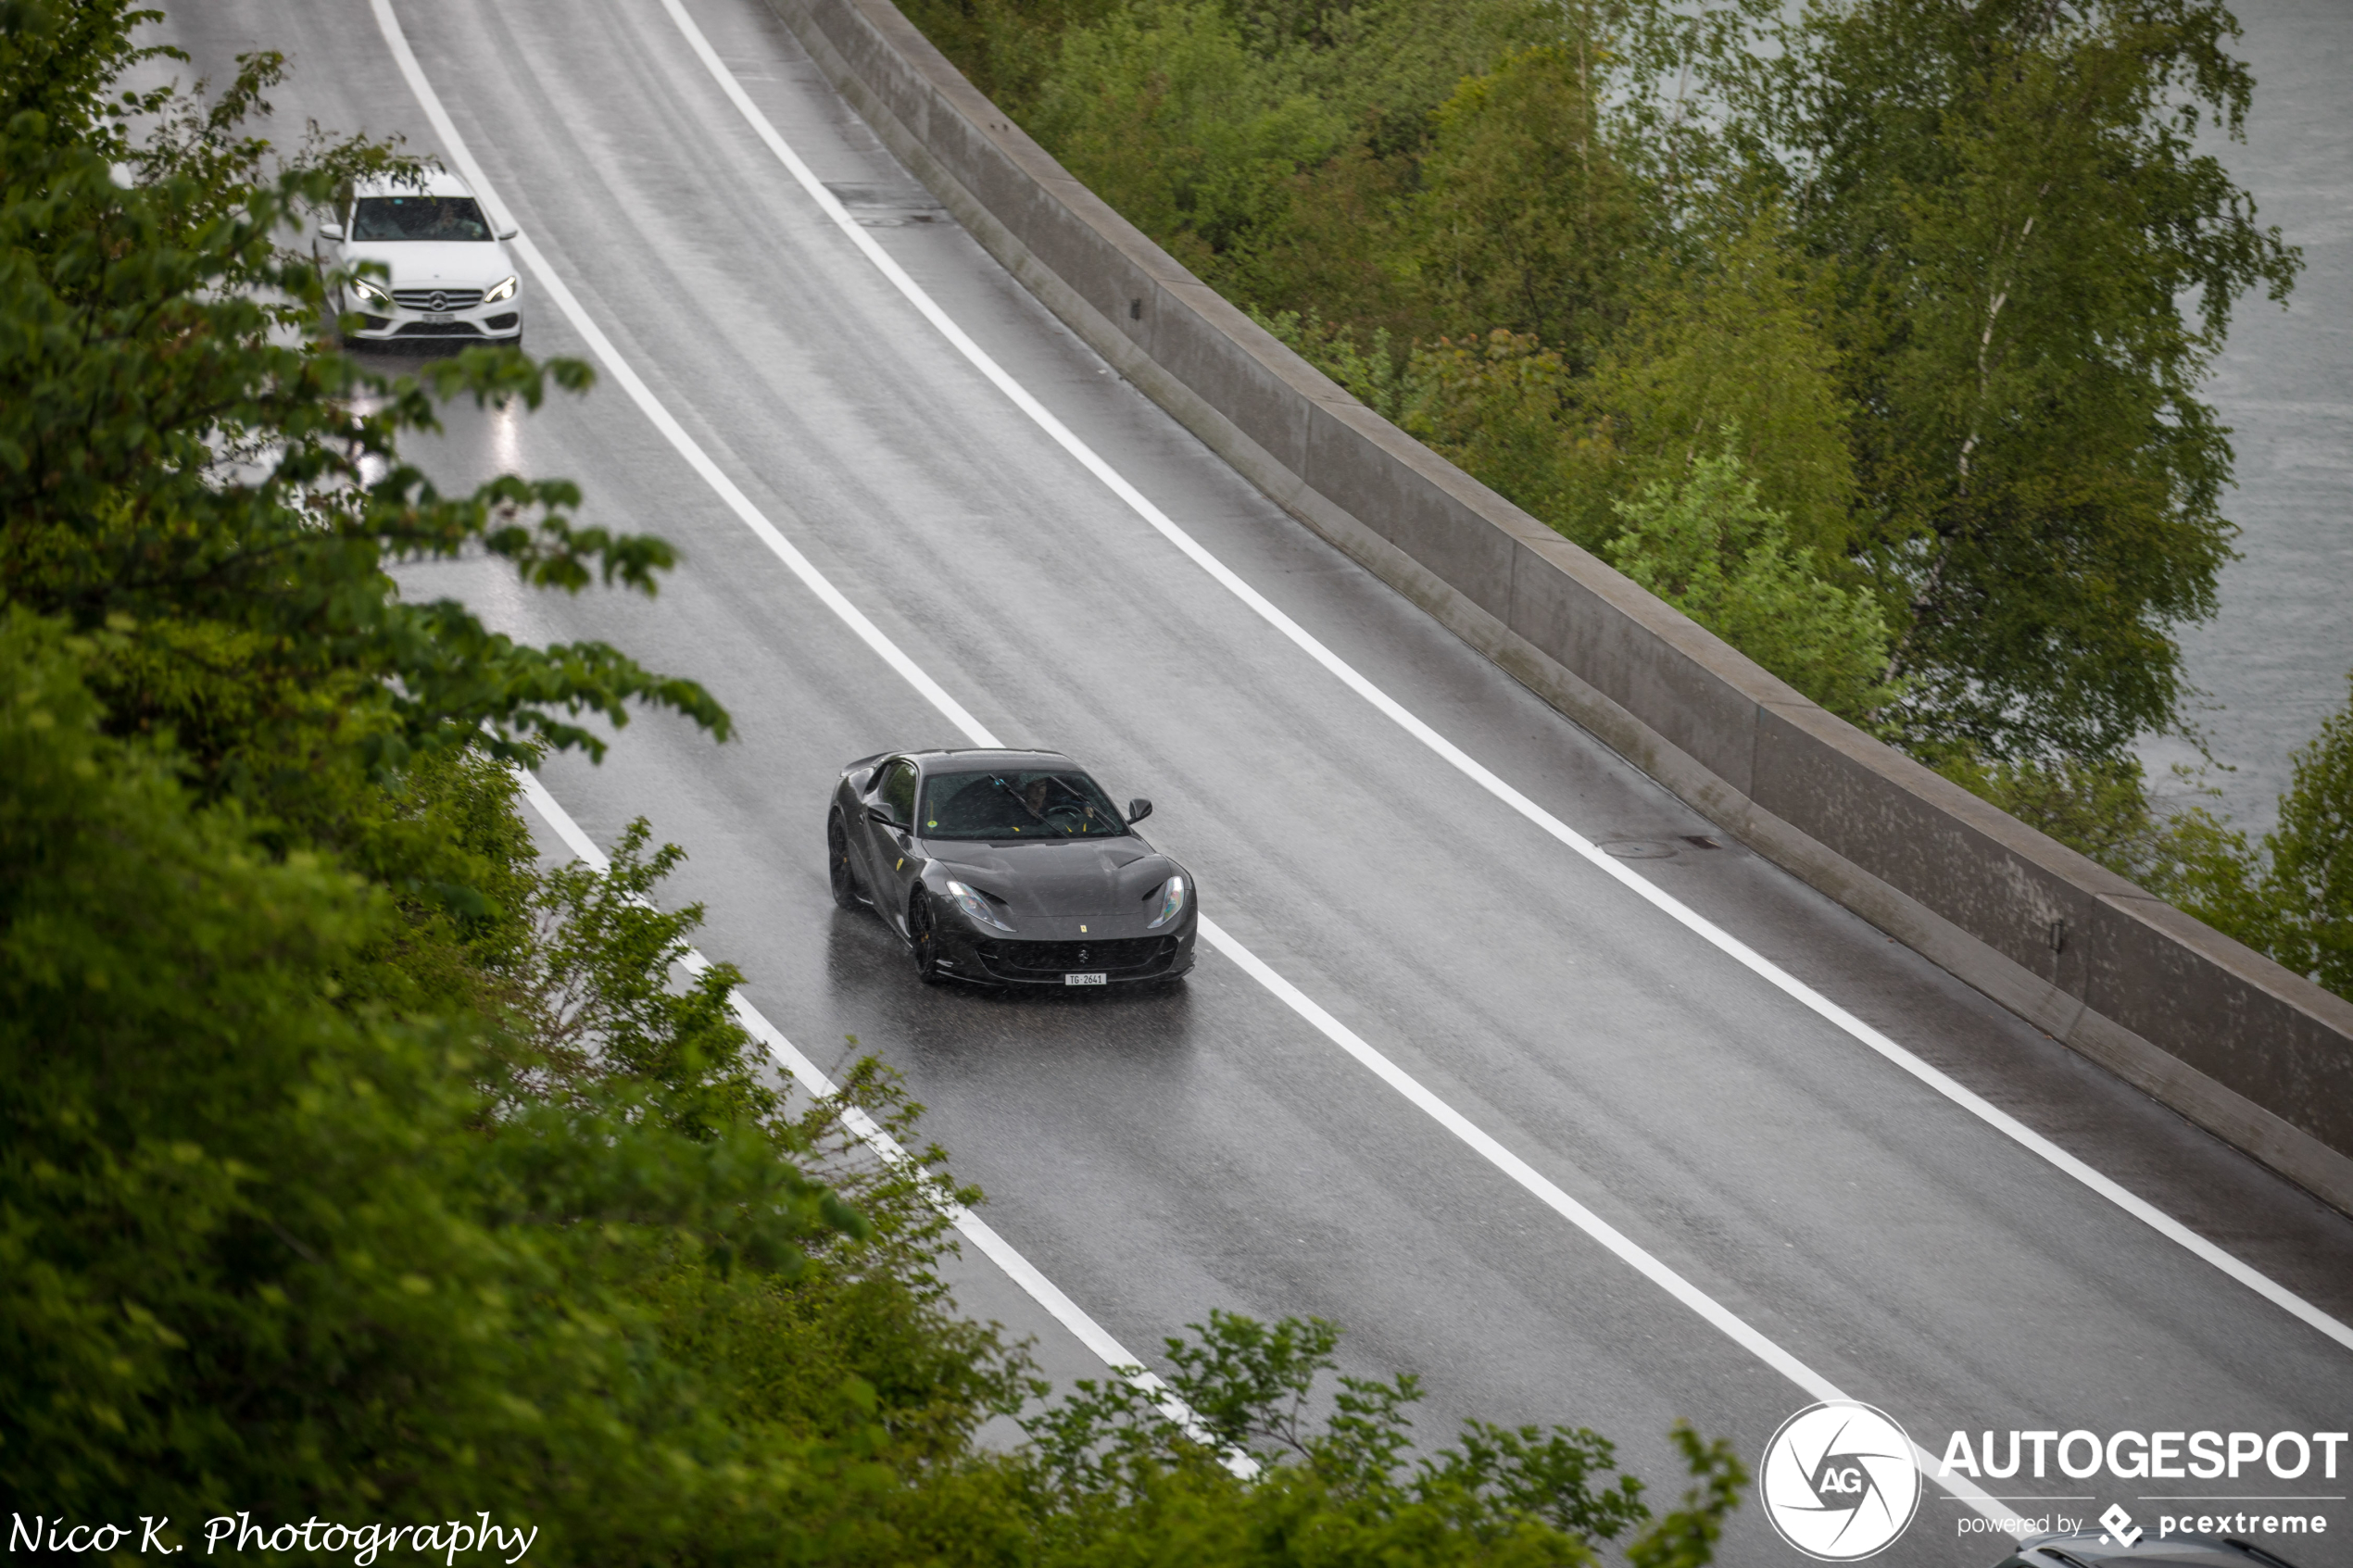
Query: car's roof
[2176, 1551]
[438, 182]
[985, 755]
[934, 758]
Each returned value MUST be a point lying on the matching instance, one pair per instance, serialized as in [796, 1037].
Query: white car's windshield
[418, 218]
[1017, 803]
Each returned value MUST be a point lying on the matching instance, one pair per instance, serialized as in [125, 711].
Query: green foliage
[2308, 884]
[2014, 206]
[1737, 340]
[350, 1165]
[1511, 412]
[1164, 103]
[1252, 1480]
[598, 985]
[1373, 372]
[1006, 48]
[267, 1250]
[1709, 548]
[261, 1249]
[1528, 223]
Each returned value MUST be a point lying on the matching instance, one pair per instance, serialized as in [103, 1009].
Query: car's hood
[1072, 877]
[423, 264]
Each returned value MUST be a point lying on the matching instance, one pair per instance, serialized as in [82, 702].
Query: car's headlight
[372, 292]
[501, 291]
[975, 904]
[1172, 903]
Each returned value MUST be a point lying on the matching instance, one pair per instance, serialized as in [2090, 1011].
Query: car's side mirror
[332, 231]
[509, 233]
[1139, 808]
[878, 812]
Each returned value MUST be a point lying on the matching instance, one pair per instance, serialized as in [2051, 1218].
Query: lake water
[2273, 663]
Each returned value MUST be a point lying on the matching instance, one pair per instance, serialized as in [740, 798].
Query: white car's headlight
[975, 904]
[501, 290]
[1172, 903]
[375, 294]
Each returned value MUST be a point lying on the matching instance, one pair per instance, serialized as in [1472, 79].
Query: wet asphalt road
[1159, 1155]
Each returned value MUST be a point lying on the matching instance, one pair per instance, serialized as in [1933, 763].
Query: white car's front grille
[438, 299]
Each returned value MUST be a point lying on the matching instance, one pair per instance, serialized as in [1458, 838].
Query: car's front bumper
[998, 960]
[367, 322]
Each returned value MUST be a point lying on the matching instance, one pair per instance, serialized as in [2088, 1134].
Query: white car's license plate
[441, 315]
[1082, 980]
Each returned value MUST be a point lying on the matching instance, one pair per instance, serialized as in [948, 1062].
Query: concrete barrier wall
[2261, 1056]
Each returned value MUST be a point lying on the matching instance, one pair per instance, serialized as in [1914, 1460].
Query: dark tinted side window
[898, 791]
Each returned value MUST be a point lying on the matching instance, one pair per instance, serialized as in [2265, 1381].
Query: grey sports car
[1007, 868]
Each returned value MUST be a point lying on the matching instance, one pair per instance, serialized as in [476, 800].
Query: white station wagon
[451, 278]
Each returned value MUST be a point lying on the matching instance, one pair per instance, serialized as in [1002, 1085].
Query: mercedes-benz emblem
[440, 300]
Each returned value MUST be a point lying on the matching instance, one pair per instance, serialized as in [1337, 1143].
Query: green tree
[2309, 882]
[1737, 340]
[2036, 268]
[258, 1251]
[1165, 108]
[1527, 217]
[1250, 1480]
[1512, 414]
[1709, 548]
[1345, 244]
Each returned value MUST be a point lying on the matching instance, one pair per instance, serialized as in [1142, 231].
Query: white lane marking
[867, 1131]
[1731, 946]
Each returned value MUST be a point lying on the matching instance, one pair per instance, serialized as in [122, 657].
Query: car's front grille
[1118, 955]
[438, 299]
[439, 329]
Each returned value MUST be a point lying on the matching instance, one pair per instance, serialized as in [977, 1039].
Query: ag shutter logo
[1839, 1482]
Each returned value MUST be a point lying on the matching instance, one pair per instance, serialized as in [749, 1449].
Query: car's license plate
[1082, 980]
[441, 315]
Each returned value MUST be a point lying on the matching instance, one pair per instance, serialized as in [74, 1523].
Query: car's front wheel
[838, 867]
[922, 934]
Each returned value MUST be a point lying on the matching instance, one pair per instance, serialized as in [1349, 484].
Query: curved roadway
[1156, 1156]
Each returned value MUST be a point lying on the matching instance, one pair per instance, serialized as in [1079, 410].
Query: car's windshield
[418, 218]
[1014, 803]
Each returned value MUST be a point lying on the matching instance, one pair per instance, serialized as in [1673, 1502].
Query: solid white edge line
[1756, 963]
[867, 1131]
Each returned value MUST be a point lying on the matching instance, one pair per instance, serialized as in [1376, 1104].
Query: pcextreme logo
[1839, 1482]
